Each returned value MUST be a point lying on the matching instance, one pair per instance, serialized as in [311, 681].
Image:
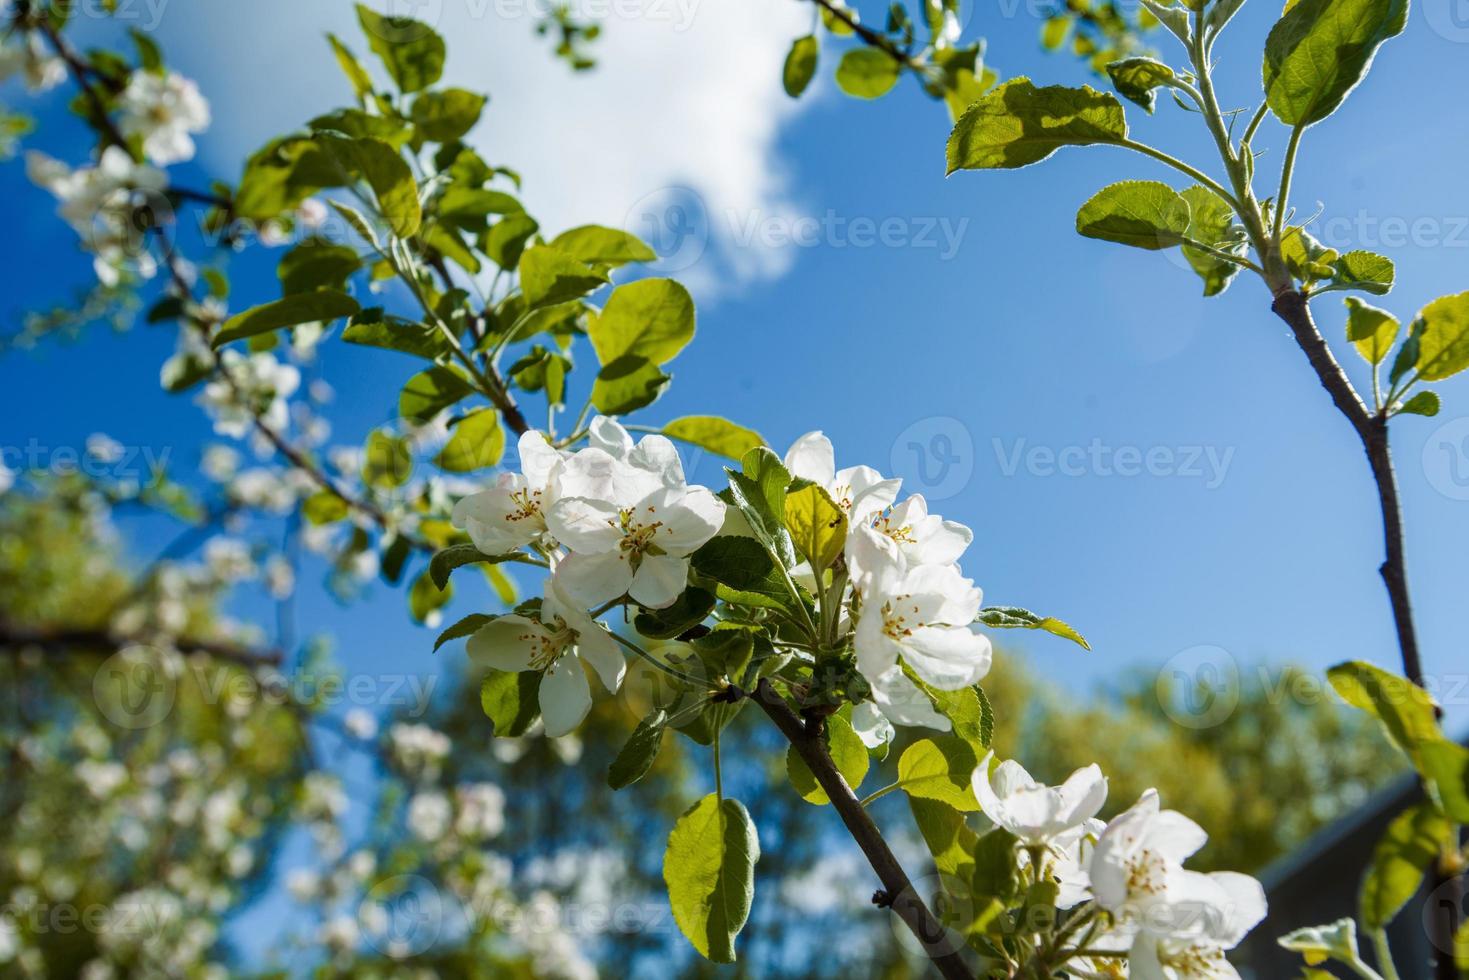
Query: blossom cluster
[1172, 923]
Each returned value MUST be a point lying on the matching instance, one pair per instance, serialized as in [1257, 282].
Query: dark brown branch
[898, 892]
[868, 35]
[14, 637]
[1295, 310]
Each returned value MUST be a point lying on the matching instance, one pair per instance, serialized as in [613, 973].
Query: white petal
[989, 802]
[496, 522]
[589, 581]
[1083, 794]
[506, 643]
[659, 580]
[812, 458]
[949, 658]
[537, 459]
[871, 501]
[1175, 836]
[689, 518]
[585, 525]
[871, 726]
[904, 704]
[566, 697]
[601, 651]
[657, 454]
[871, 555]
[1245, 907]
[607, 434]
[876, 651]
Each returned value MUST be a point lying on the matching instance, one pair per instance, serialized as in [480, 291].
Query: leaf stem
[1181, 167]
[1286, 172]
[1384, 955]
[670, 671]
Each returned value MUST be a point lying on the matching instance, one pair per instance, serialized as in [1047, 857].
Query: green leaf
[351, 67]
[324, 507]
[360, 125]
[1211, 222]
[458, 555]
[848, 754]
[1321, 943]
[627, 384]
[1445, 766]
[639, 751]
[386, 461]
[442, 117]
[412, 51]
[818, 526]
[1137, 78]
[948, 837]
[691, 608]
[1367, 271]
[429, 392]
[386, 172]
[1410, 845]
[549, 276]
[1423, 403]
[968, 709]
[996, 870]
[1408, 354]
[426, 597]
[467, 626]
[867, 73]
[710, 870]
[1013, 617]
[478, 442]
[800, 65]
[500, 583]
[317, 264]
[1371, 330]
[720, 436]
[1018, 124]
[650, 318]
[759, 493]
[1444, 349]
[374, 328]
[940, 769]
[1173, 17]
[1320, 50]
[726, 651]
[324, 305]
[511, 700]
[505, 241]
[1404, 708]
[596, 245]
[744, 566]
[1141, 213]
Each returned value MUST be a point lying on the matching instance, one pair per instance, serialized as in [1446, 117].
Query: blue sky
[1019, 337]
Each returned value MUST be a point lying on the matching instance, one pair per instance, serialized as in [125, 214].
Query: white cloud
[672, 136]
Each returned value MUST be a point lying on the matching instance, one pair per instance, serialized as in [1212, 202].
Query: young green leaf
[549, 276]
[386, 462]
[691, 608]
[1410, 845]
[597, 245]
[626, 384]
[848, 754]
[1367, 271]
[1141, 213]
[1018, 124]
[1136, 79]
[1423, 403]
[351, 67]
[317, 264]
[1320, 50]
[650, 318]
[324, 507]
[817, 525]
[1013, 617]
[478, 441]
[1405, 709]
[511, 700]
[639, 752]
[455, 556]
[374, 328]
[412, 51]
[1211, 222]
[709, 867]
[426, 596]
[867, 73]
[1444, 345]
[1371, 331]
[717, 435]
[429, 392]
[940, 769]
[948, 837]
[322, 305]
[442, 117]
[800, 65]
[386, 172]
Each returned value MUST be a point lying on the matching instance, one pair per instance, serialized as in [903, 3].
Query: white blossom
[1032, 811]
[163, 110]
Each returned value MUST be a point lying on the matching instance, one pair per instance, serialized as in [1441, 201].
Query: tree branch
[13, 637]
[899, 893]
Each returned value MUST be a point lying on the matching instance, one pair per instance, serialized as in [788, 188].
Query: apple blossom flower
[909, 531]
[99, 203]
[896, 700]
[26, 56]
[555, 640]
[261, 381]
[163, 110]
[920, 616]
[1032, 811]
[512, 513]
[860, 491]
[1184, 920]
